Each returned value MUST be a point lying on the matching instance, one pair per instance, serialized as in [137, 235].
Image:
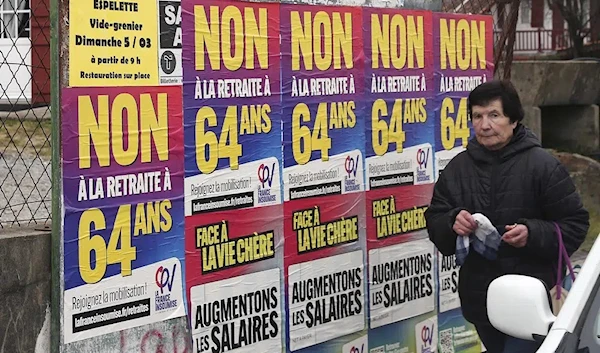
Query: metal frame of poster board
[295, 116]
[56, 246]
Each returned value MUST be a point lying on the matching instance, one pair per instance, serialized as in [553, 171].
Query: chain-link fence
[25, 125]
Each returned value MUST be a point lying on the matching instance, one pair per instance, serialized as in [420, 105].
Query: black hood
[522, 140]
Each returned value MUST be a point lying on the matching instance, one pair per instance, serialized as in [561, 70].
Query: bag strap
[559, 270]
[565, 254]
[562, 253]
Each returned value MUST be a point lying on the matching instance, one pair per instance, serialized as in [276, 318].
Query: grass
[28, 137]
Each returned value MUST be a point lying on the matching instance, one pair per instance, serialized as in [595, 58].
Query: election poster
[448, 271]
[455, 333]
[464, 58]
[402, 296]
[323, 179]
[233, 203]
[113, 43]
[170, 41]
[399, 92]
[399, 124]
[399, 174]
[122, 151]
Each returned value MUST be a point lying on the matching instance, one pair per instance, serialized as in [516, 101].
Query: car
[520, 306]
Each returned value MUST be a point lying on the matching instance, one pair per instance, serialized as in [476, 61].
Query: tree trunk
[577, 45]
[512, 33]
[572, 12]
[576, 38]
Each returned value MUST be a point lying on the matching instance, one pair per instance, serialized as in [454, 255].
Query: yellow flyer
[113, 43]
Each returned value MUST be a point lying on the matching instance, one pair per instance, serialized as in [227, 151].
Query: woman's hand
[464, 224]
[516, 235]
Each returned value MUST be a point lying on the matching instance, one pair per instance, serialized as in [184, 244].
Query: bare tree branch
[512, 33]
[573, 12]
[592, 15]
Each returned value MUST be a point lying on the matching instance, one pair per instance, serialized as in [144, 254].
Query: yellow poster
[113, 43]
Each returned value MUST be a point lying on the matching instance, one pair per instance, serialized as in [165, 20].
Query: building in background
[24, 53]
[542, 28]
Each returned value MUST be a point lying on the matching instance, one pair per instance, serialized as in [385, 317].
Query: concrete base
[170, 336]
[574, 128]
[567, 93]
[533, 120]
[25, 273]
[24, 288]
[551, 83]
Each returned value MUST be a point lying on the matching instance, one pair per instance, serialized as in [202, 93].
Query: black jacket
[521, 183]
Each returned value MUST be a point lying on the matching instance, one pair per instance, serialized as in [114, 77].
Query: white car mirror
[518, 306]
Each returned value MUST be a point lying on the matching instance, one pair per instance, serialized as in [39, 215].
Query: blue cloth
[485, 240]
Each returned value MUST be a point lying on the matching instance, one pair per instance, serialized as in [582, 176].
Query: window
[14, 19]
[525, 11]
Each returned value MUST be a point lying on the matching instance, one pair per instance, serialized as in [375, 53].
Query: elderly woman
[507, 177]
